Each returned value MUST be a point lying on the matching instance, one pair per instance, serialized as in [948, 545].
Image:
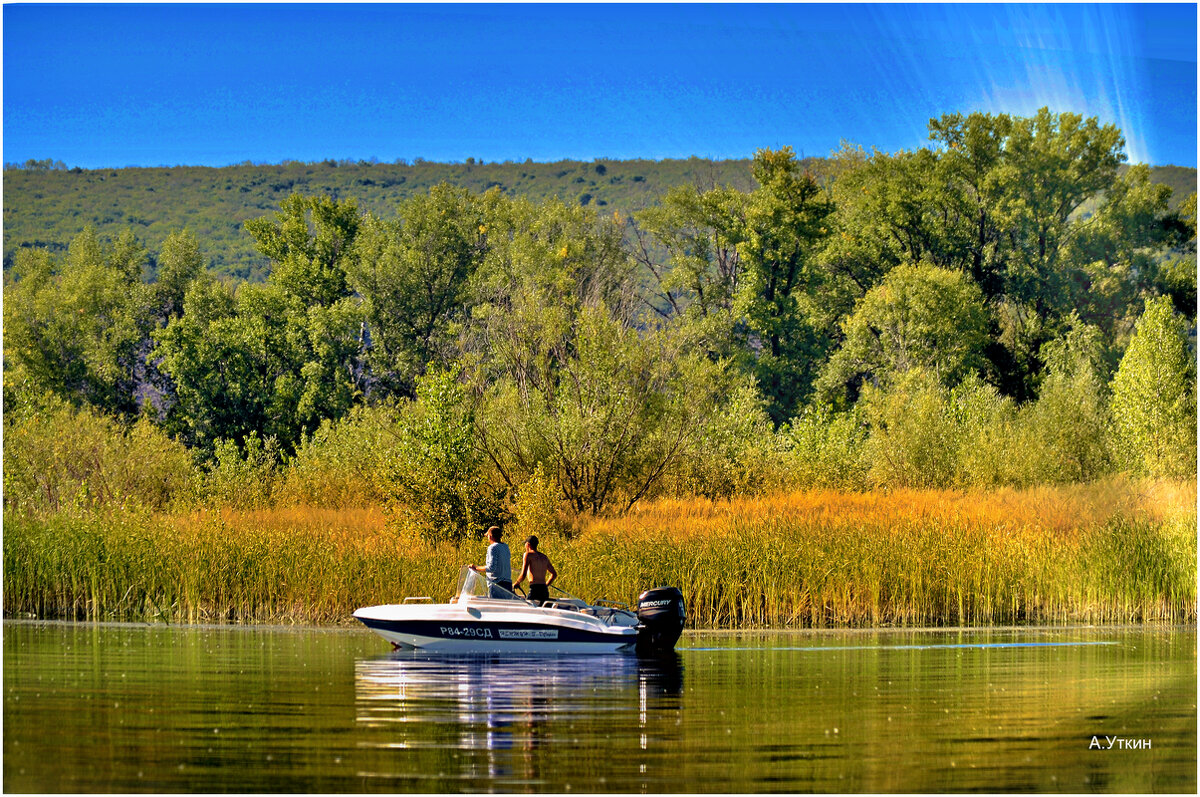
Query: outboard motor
[661, 614]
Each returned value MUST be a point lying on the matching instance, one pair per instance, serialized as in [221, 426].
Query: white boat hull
[490, 625]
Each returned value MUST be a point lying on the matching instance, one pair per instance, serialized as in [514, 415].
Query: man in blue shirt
[499, 566]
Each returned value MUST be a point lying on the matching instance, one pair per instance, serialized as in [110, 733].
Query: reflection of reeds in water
[1106, 552]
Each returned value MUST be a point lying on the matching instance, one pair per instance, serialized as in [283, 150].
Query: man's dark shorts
[539, 593]
[500, 593]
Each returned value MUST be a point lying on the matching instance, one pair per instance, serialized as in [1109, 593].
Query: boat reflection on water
[506, 709]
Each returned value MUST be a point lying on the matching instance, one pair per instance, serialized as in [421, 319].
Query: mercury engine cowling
[661, 614]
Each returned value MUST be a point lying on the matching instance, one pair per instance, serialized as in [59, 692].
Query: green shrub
[243, 478]
[923, 434]
[737, 451]
[609, 411]
[58, 457]
[993, 448]
[916, 433]
[1071, 417]
[538, 507]
[823, 449]
[339, 464]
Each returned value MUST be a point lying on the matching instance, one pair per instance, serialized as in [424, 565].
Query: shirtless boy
[536, 565]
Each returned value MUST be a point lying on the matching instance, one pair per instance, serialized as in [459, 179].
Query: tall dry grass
[1115, 551]
[288, 565]
[1112, 551]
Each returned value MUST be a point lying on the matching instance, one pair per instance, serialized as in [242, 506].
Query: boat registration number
[466, 630]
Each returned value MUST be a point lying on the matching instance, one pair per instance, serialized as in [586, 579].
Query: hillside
[48, 207]
[1180, 179]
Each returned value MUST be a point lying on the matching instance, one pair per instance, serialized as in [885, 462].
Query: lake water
[120, 708]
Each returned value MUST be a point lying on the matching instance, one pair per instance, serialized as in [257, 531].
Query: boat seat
[568, 604]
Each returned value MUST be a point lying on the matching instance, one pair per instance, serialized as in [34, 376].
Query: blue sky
[149, 85]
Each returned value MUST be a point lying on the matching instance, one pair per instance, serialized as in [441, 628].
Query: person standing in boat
[498, 568]
[536, 565]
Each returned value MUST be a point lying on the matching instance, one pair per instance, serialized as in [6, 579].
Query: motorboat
[484, 617]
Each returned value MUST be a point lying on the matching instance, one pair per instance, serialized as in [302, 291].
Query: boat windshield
[472, 584]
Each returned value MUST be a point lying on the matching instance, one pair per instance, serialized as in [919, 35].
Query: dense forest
[1008, 305]
[46, 204]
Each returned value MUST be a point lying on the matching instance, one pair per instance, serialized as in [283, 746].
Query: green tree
[920, 317]
[414, 275]
[278, 359]
[180, 263]
[743, 268]
[219, 358]
[567, 380]
[610, 413]
[886, 214]
[258, 363]
[1177, 270]
[785, 219]
[1018, 181]
[81, 329]
[1154, 397]
[308, 242]
[544, 265]
[1117, 252]
[703, 270]
[1030, 208]
[434, 474]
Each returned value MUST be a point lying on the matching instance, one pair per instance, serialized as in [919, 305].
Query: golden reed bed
[1115, 551]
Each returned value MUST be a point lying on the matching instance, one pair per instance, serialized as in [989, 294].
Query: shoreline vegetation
[954, 385]
[1115, 551]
